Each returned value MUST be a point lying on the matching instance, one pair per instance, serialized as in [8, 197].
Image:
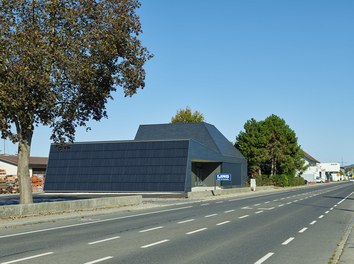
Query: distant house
[163, 157]
[8, 163]
[316, 169]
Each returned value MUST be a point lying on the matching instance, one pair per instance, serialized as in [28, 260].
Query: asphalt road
[297, 226]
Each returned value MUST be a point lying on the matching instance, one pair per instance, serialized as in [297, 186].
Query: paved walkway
[347, 256]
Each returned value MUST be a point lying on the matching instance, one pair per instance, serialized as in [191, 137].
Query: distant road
[297, 226]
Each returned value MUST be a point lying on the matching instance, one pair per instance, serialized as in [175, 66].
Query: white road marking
[288, 241]
[267, 202]
[185, 221]
[27, 258]
[296, 201]
[303, 230]
[331, 209]
[229, 211]
[204, 204]
[261, 260]
[244, 216]
[276, 200]
[219, 202]
[211, 215]
[258, 212]
[196, 231]
[247, 208]
[150, 229]
[103, 240]
[270, 208]
[222, 223]
[280, 205]
[95, 222]
[313, 222]
[257, 204]
[99, 260]
[321, 216]
[156, 243]
[289, 202]
[326, 212]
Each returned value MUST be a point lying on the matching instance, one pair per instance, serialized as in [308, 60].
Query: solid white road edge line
[96, 221]
[156, 243]
[261, 260]
[27, 258]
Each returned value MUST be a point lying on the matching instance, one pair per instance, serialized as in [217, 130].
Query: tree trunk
[23, 174]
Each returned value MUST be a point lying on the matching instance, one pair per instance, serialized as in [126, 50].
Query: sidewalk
[347, 256]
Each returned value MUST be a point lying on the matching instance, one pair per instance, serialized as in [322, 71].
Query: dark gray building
[167, 157]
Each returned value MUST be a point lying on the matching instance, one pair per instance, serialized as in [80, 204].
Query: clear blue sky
[235, 60]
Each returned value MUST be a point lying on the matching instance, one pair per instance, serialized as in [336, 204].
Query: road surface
[296, 226]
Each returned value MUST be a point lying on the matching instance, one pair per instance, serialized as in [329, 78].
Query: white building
[316, 169]
[8, 163]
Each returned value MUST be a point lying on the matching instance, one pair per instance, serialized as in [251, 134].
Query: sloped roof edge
[13, 159]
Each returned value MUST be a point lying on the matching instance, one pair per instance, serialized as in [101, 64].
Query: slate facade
[167, 157]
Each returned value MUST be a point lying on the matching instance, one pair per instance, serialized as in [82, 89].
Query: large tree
[252, 144]
[60, 61]
[270, 147]
[187, 116]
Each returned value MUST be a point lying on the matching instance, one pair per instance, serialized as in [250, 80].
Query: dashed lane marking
[28, 258]
[264, 258]
[185, 221]
[98, 260]
[288, 241]
[150, 229]
[211, 215]
[103, 240]
[196, 231]
[156, 243]
[223, 223]
[303, 230]
[244, 216]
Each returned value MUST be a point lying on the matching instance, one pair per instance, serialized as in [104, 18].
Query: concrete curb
[232, 191]
[12, 211]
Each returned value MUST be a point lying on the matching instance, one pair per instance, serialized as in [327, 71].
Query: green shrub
[263, 180]
[297, 181]
[281, 180]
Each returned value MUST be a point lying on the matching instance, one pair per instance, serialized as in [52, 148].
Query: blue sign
[223, 177]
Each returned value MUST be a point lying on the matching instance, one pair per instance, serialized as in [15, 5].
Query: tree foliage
[60, 61]
[187, 116]
[270, 147]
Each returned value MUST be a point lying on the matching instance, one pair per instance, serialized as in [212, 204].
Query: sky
[233, 60]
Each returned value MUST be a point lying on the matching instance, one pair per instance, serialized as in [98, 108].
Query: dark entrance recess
[204, 173]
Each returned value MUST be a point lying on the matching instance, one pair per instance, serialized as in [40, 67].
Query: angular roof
[12, 159]
[204, 133]
[310, 158]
